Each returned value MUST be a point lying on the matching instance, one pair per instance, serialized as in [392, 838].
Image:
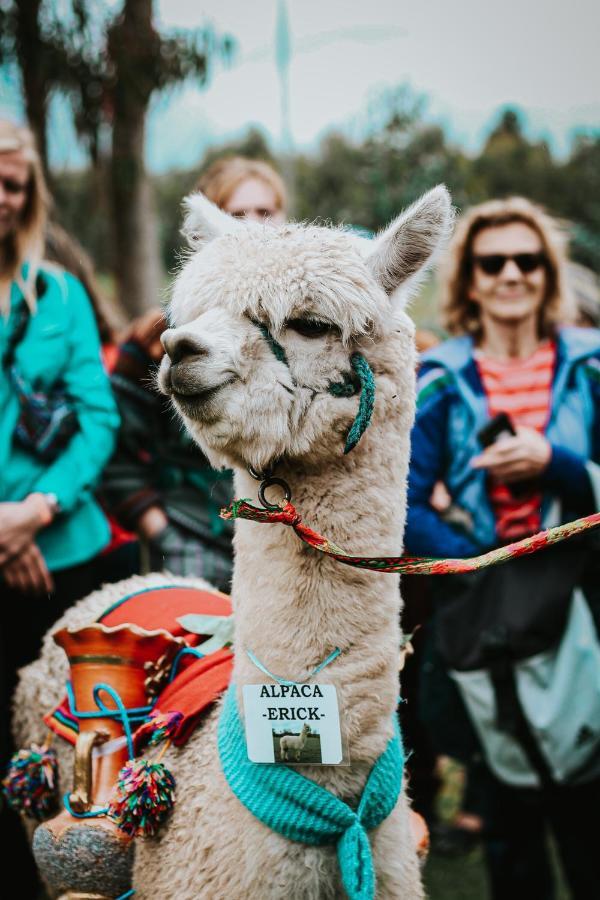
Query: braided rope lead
[410, 565]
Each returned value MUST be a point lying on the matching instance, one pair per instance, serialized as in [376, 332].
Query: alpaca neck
[293, 606]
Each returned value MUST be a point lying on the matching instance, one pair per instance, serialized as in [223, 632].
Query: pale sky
[468, 57]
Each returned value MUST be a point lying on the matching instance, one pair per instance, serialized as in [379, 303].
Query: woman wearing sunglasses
[509, 420]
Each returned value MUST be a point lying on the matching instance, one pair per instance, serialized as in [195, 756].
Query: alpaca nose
[181, 346]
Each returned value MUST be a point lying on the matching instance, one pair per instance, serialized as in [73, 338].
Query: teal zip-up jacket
[61, 343]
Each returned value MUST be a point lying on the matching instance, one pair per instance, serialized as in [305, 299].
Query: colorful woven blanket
[198, 682]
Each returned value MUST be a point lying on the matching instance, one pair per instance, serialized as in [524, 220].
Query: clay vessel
[90, 857]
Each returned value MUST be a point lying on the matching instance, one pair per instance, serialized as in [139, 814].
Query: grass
[456, 878]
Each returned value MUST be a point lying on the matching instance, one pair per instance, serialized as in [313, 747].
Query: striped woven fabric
[199, 682]
[522, 389]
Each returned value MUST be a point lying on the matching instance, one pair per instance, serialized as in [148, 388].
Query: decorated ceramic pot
[80, 852]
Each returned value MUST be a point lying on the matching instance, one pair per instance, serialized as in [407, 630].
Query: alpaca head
[265, 320]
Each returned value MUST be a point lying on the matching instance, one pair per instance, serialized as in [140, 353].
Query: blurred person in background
[58, 425]
[508, 418]
[158, 482]
[120, 558]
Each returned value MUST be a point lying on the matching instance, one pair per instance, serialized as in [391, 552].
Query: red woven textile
[199, 682]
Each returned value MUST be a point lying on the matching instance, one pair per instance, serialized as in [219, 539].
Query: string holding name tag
[292, 722]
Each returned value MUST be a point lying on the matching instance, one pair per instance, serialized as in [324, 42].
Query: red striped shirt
[522, 389]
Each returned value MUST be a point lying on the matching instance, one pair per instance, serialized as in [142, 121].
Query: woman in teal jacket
[50, 522]
[51, 527]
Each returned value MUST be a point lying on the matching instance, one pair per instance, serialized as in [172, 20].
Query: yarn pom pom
[158, 728]
[143, 798]
[31, 780]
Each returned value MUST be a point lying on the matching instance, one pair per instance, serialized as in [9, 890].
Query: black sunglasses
[11, 186]
[493, 263]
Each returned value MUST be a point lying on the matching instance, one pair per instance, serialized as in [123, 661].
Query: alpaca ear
[411, 241]
[204, 221]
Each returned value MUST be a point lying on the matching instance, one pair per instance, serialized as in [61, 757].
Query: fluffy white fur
[292, 606]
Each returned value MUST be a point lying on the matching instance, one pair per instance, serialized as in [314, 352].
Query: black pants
[516, 840]
[23, 622]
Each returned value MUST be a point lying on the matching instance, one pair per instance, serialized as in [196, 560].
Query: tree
[25, 40]
[578, 197]
[367, 180]
[110, 66]
[512, 164]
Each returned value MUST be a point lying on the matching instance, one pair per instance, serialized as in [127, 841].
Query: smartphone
[497, 427]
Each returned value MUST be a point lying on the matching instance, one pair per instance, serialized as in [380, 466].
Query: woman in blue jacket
[518, 641]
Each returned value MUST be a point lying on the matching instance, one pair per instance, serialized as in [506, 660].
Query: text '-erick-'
[297, 724]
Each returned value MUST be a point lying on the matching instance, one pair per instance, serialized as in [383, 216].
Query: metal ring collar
[270, 482]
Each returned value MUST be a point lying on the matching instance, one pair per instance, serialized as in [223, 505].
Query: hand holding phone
[517, 463]
[497, 427]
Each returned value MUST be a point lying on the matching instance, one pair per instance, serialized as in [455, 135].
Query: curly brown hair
[460, 314]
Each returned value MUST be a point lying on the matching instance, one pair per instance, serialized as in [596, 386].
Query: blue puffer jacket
[61, 343]
[452, 408]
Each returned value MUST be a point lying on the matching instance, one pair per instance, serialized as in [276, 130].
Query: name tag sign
[297, 724]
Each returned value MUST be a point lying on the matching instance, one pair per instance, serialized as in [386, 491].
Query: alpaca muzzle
[191, 372]
[182, 346]
[181, 369]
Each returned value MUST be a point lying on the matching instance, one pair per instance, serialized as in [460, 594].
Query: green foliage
[366, 182]
[82, 45]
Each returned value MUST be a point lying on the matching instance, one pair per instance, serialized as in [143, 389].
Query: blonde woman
[246, 188]
[49, 522]
[57, 422]
[509, 420]
[157, 483]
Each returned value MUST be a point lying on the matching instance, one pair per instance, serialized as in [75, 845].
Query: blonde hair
[460, 314]
[27, 243]
[222, 178]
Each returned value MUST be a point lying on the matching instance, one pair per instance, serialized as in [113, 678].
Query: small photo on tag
[302, 746]
[292, 724]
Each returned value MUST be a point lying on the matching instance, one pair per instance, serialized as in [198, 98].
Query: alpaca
[320, 294]
[294, 742]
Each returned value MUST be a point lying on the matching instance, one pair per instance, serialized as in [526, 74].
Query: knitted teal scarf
[301, 810]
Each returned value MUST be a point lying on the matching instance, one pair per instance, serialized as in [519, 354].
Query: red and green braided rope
[410, 565]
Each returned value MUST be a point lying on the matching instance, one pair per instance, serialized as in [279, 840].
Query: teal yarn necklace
[302, 811]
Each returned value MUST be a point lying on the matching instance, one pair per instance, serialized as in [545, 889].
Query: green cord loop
[366, 402]
[346, 388]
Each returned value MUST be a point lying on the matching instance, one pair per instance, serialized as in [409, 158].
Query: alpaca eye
[310, 328]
